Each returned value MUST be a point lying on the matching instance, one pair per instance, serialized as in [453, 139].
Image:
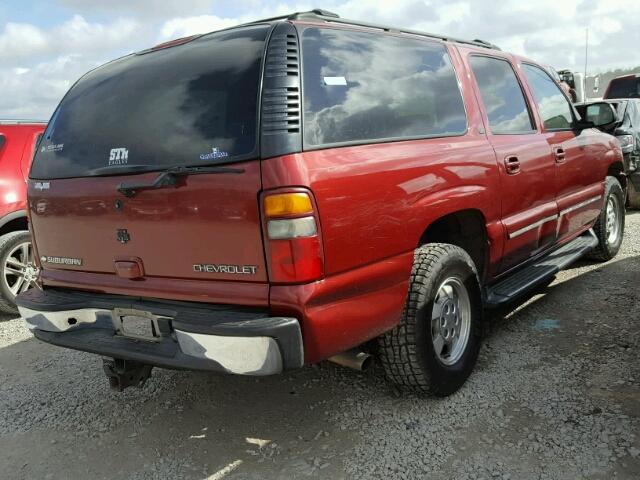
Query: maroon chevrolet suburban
[289, 190]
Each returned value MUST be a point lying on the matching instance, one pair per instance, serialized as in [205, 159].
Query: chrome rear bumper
[189, 336]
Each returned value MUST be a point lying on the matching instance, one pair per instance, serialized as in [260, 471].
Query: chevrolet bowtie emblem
[123, 236]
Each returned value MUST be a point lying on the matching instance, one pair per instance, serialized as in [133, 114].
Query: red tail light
[292, 237]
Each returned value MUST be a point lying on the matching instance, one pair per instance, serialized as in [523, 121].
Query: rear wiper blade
[120, 169]
[169, 177]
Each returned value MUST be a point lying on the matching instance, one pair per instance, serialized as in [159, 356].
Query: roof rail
[330, 17]
[315, 13]
[486, 44]
[20, 121]
[319, 14]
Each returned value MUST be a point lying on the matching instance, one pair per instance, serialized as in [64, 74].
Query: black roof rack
[319, 14]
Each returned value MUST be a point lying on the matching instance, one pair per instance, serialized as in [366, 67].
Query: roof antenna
[586, 56]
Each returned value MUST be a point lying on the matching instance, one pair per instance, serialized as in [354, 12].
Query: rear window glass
[362, 87]
[192, 104]
[624, 88]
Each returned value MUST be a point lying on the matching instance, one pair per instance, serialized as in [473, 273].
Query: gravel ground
[556, 395]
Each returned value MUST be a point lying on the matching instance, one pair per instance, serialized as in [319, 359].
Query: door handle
[512, 163]
[559, 154]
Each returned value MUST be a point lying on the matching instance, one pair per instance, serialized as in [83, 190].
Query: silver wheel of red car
[613, 221]
[19, 272]
[450, 321]
[435, 346]
[609, 227]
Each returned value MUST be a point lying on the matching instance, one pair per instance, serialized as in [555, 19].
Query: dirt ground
[556, 395]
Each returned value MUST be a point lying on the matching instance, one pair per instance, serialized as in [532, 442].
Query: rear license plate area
[135, 324]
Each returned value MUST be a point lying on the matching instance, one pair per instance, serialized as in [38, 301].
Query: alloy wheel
[19, 272]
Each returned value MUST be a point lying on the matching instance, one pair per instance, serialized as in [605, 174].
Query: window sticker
[53, 148]
[214, 153]
[118, 156]
[335, 81]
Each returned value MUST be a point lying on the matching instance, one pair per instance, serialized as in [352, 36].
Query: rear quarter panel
[375, 201]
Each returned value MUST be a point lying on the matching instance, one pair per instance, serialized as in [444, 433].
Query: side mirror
[600, 114]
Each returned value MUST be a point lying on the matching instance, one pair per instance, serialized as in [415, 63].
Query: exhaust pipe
[353, 359]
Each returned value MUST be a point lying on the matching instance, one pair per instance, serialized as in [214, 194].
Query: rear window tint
[361, 87]
[190, 104]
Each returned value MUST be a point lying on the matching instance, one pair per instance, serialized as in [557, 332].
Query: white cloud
[185, 26]
[21, 40]
[454, 12]
[34, 92]
[608, 25]
[145, 8]
[23, 43]
[77, 32]
[38, 66]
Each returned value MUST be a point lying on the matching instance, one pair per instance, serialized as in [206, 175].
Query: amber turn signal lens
[284, 204]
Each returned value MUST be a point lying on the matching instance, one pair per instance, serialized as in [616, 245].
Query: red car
[286, 191]
[19, 273]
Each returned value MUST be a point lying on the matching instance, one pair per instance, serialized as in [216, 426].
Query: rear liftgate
[280, 134]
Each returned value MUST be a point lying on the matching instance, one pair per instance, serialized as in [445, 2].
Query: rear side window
[191, 104]
[501, 95]
[2, 140]
[553, 106]
[361, 87]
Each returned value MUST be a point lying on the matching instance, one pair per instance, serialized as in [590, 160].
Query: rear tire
[436, 344]
[609, 227]
[633, 197]
[11, 260]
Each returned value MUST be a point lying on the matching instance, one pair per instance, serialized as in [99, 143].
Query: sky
[45, 45]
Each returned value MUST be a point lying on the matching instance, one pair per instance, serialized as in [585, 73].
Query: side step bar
[538, 272]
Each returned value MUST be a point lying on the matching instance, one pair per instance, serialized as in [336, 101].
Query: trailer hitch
[125, 373]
